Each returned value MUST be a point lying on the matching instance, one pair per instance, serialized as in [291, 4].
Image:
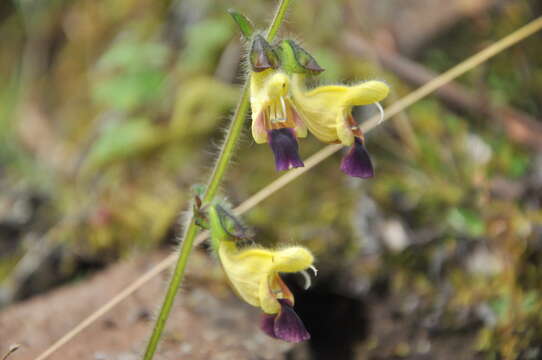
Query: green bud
[295, 59]
[262, 55]
[225, 226]
[245, 25]
[199, 210]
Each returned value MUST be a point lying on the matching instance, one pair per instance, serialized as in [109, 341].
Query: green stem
[219, 170]
[238, 120]
[277, 20]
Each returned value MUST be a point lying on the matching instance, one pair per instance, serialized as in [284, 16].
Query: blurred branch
[11, 350]
[519, 126]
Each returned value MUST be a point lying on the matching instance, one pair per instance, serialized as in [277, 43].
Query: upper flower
[327, 112]
[272, 107]
[274, 118]
[283, 109]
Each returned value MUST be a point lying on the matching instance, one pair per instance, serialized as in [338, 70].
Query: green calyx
[288, 55]
[295, 59]
[245, 25]
[225, 226]
[262, 55]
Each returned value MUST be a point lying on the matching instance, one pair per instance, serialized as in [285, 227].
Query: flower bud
[295, 59]
[262, 56]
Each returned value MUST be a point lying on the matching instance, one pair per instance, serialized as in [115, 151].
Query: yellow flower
[254, 274]
[327, 112]
[274, 117]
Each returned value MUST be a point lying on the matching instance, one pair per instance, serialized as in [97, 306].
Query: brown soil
[207, 322]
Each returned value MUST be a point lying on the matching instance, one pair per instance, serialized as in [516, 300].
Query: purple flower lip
[285, 148]
[357, 162]
[285, 325]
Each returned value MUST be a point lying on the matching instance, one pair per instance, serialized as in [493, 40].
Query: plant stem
[219, 170]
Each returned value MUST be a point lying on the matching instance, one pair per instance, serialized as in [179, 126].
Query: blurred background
[111, 110]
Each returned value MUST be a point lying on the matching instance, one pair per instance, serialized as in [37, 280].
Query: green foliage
[466, 221]
[123, 140]
[204, 41]
[130, 74]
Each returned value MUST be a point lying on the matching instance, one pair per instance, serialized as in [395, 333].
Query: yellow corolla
[254, 274]
[327, 112]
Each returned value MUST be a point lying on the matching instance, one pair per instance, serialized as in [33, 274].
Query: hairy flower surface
[254, 274]
[327, 112]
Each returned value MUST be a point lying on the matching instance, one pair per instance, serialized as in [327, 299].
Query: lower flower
[254, 274]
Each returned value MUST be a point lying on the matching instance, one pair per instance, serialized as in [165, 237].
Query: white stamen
[314, 270]
[307, 278]
[283, 107]
[381, 112]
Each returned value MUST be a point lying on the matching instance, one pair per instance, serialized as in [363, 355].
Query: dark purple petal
[288, 326]
[357, 162]
[285, 148]
[268, 324]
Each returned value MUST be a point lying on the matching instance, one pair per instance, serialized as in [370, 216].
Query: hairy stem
[219, 170]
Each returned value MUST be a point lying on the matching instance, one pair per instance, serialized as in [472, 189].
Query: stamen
[307, 278]
[381, 112]
[283, 107]
[279, 112]
[314, 270]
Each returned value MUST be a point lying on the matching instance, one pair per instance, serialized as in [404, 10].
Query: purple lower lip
[285, 148]
[285, 325]
[357, 162]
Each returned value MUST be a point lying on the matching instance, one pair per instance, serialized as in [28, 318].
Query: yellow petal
[246, 269]
[268, 300]
[292, 113]
[265, 87]
[325, 109]
[259, 132]
[254, 272]
[366, 93]
[318, 110]
[258, 97]
[277, 85]
[344, 131]
[292, 259]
